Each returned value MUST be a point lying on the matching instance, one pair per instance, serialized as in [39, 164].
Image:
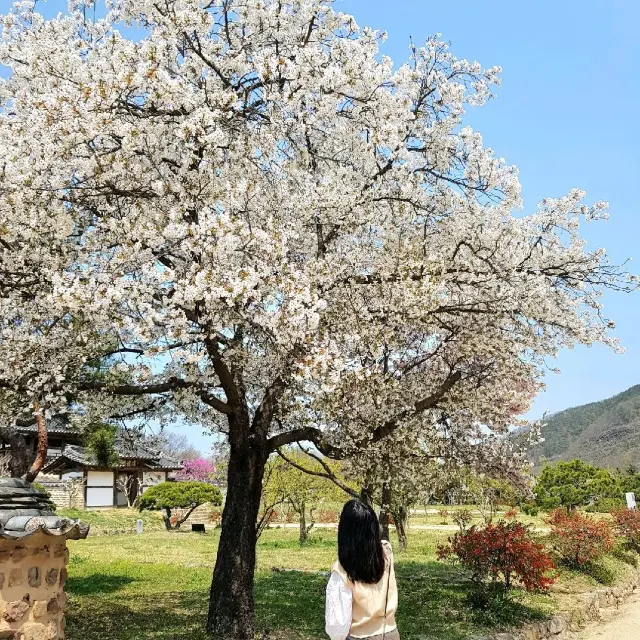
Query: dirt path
[413, 527]
[623, 624]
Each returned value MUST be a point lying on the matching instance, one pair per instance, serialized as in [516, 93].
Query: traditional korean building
[74, 478]
[137, 469]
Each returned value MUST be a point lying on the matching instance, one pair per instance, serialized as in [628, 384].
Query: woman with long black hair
[362, 596]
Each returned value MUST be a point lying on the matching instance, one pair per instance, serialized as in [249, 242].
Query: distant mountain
[605, 433]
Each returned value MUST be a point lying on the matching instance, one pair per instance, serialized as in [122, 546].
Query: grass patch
[155, 586]
[115, 521]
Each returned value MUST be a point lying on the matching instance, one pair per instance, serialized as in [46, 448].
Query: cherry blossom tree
[199, 470]
[267, 229]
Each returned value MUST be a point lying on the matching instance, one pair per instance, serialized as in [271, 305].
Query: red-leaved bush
[215, 517]
[627, 523]
[327, 516]
[502, 553]
[578, 538]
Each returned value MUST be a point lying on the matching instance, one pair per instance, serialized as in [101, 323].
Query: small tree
[101, 440]
[273, 495]
[488, 494]
[179, 495]
[125, 485]
[175, 446]
[300, 481]
[578, 538]
[572, 484]
[462, 517]
[73, 488]
[499, 554]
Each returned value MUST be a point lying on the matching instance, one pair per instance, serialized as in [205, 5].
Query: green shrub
[179, 495]
[605, 505]
[530, 509]
[102, 441]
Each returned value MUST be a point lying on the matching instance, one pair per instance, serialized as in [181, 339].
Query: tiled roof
[84, 457]
[25, 511]
[57, 425]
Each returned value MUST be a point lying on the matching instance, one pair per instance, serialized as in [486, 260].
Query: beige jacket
[367, 609]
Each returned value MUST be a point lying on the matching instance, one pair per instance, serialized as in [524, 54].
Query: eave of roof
[79, 456]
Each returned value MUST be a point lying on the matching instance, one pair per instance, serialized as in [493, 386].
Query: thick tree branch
[42, 447]
[312, 434]
[173, 384]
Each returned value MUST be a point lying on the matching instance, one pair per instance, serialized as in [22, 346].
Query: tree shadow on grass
[164, 616]
[290, 601]
[97, 583]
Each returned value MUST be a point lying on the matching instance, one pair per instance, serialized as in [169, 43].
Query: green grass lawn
[155, 586]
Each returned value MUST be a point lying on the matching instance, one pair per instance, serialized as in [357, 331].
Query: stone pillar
[33, 565]
[33, 572]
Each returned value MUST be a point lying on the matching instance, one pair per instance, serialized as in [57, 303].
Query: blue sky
[566, 115]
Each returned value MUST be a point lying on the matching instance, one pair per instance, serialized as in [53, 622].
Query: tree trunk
[18, 457]
[42, 446]
[401, 517]
[385, 508]
[231, 596]
[167, 519]
[366, 494]
[303, 524]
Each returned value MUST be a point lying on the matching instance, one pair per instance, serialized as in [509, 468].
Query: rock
[15, 578]
[51, 577]
[1, 580]
[53, 606]
[35, 631]
[52, 630]
[40, 609]
[59, 550]
[8, 634]
[19, 553]
[63, 577]
[556, 625]
[16, 610]
[531, 632]
[505, 636]
[62, 601]
[35, 577]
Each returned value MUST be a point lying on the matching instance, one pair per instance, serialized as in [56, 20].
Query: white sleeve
[338, 608]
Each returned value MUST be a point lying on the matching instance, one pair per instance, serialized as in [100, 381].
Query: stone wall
[32, 577]
[201, 515]
[60, 496]
[587, 609]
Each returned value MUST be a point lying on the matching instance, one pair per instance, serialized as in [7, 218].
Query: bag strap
[386, 599]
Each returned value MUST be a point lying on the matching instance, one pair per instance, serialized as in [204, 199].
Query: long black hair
[359, 544]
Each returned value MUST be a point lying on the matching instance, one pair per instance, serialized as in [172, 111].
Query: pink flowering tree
[199, 470]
